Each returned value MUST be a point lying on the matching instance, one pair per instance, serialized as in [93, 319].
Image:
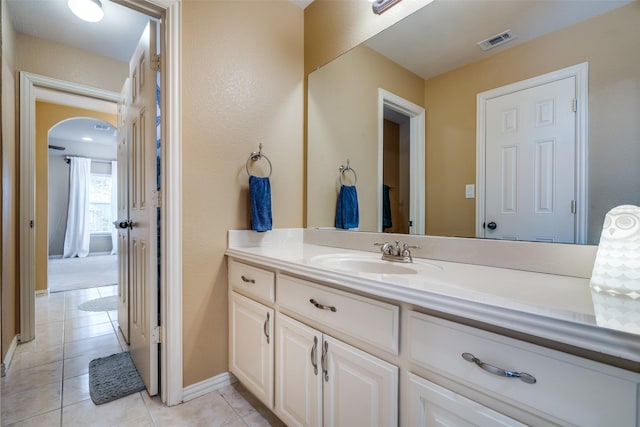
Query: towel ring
[347, 168]
[257, 156]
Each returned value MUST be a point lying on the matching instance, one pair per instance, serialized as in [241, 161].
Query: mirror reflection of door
[530, 164]
[395, 175]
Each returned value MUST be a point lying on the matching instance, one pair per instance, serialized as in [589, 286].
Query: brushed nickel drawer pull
[321, 306]
[527, 378]
[246, 279]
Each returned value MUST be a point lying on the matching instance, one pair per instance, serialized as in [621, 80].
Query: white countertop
[559, 308]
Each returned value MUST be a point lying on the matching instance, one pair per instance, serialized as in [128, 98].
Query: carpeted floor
[66, 274]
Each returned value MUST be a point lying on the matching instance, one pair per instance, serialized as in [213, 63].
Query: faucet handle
[406, 246]
[386, 247]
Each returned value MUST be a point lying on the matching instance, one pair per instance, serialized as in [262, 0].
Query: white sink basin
[367, 264]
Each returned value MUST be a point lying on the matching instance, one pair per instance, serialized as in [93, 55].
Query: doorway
[81, 237]
[412, 129]
[531, 159]
[170, 335]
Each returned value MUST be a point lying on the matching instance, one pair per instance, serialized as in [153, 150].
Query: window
[100, 204]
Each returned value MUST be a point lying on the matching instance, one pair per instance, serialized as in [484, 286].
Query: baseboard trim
[6, 363]
[207, 386]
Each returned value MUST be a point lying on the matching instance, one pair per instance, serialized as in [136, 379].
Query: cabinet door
[359, 389]
[298, 374]
[251, 346]
[434, 406]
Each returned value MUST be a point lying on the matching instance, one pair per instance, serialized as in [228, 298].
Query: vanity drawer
[252, 281]
[374, 322]
[571, 389]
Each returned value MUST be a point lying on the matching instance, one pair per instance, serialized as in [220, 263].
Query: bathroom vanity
[334, 335]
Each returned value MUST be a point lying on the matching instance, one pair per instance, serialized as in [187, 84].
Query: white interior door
[123, 211]
[143, 315]
[530, 164]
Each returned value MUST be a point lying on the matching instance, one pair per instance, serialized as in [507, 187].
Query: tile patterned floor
[47, 383]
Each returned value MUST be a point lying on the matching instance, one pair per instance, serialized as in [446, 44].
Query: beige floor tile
[104, 345]
[106, 291]
[261, 418]
[210, 410]
[50, 419]
[90, 331]
[21, 380]
[128, 411]
[42, 342]
[75, 390]
[92, 318]
[46, 316]
[79, 365]
[31, 355]
[35, 401]
[240, 399]
[53, 327]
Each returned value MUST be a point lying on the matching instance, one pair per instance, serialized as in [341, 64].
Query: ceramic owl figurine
[617, 266]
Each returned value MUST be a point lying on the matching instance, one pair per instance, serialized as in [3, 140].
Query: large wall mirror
[431, 60]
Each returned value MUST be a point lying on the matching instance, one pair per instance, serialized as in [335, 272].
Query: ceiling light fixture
[380, 6]
[87, 10]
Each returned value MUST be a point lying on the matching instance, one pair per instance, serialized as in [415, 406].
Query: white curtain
[114, 206]
[76, 239]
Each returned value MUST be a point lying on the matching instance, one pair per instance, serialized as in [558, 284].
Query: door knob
[492, 225]
[123, 224]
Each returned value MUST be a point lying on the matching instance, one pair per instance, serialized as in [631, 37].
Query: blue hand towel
[347, 215]
[260, 191]
[386, 207]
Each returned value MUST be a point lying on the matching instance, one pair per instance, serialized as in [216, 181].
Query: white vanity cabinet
[323, 381]
[432, 406]
[554, 387]
[314, 354]
[251, 345]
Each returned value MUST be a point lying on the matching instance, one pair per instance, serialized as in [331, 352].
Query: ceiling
[444, 34]
[115, 37]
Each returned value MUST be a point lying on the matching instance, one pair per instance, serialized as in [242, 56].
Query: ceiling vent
[497, 40]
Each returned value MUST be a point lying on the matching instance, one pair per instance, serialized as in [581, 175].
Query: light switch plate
[469, 191]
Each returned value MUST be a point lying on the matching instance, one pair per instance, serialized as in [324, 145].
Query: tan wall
[610, 44]
[333, 27]
[47, 116]
[242, 85]
[9, 178]
[59, 61]
[343, 124]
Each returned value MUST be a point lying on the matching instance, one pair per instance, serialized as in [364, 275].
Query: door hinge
[156, 335]
[155, 62]
[157, 199]
[573, 206]
[574, 105]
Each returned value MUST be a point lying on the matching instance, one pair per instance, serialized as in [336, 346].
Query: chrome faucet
[397, 253]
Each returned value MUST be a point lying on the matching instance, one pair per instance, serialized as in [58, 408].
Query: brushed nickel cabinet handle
[523, 376]
[322, 306]
[265, 328]
[314, 354]
[323, 361]
[245, 279]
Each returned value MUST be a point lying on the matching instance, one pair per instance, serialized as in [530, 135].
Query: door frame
[417, 159]
[581, 74]
[171, 368]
